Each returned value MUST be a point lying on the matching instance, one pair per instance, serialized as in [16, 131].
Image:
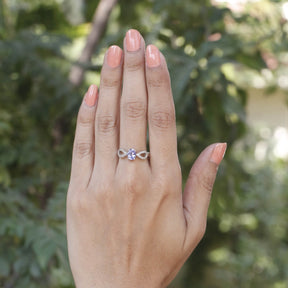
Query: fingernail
[114, 56]
[152, 56]
[218, 153]
[133, 40]
[91, 96]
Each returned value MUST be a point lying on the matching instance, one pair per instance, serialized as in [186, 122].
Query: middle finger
[133, 110]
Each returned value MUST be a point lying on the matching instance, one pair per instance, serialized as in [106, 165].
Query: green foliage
[33, 241]
[246, 241]
[254, 250]
[49, 16]
[35, 148]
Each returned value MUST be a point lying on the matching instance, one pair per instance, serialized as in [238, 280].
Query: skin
[128, 222]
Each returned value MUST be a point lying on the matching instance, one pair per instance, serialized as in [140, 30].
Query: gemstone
[131, 154]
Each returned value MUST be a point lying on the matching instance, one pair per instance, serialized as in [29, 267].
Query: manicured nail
[133, 40]
[152, 56]
[114, 56]
[91, 95]
[218, 153]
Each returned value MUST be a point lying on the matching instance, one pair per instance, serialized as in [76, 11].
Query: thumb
[197, 192]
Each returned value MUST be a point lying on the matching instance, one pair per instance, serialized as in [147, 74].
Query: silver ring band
[132, 154]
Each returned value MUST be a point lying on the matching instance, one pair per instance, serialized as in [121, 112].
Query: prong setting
[132, 154]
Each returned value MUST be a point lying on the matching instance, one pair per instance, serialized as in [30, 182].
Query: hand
[128, 224]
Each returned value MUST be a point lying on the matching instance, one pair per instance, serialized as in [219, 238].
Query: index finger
[161, 111]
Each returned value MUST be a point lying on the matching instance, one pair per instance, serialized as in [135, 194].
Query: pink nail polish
[133, 40]
[218, 153]
[114, 56]
[91, 96]
[152, 56]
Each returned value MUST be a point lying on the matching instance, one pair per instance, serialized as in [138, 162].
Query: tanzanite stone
[131, 154]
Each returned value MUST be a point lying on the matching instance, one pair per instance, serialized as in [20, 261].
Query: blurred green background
[228, 62]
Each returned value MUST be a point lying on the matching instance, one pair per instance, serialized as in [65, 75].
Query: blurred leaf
[4, 268]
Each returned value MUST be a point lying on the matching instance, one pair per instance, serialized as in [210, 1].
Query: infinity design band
[132, 154]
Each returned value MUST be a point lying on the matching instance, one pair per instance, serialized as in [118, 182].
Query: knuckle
[163, 184]
[110, 82]
[206, 183]
[162, 120]
[104, 194]
[106, 124]
[103, 188]
[83, 149]
[135, 109]
[133, 64]
[131, 185]
[155, 82]
[202, 180]
[85, 119]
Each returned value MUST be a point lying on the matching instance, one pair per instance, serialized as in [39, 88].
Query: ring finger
[107, 115]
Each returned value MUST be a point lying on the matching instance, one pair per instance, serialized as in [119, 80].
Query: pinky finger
[83, 149]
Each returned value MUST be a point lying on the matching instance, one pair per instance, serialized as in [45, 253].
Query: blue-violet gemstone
[132, 154]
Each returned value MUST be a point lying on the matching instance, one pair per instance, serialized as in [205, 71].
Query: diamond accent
[131, 154]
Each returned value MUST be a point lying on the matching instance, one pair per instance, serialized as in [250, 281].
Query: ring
[132, 154]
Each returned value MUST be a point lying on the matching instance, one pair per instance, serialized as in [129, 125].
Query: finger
[161, 111]
[133, 123]
[198, 191]
[83, 151]
[107, 116]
